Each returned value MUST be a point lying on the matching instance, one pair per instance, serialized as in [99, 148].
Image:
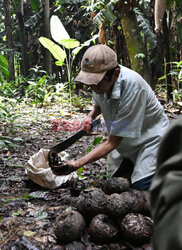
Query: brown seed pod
[136, 229]
[69, 225]
[91, 201]
[116, 185]
[119, 205]
[102, 230]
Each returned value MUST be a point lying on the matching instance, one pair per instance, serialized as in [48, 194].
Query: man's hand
[64, 169]
[87, 124]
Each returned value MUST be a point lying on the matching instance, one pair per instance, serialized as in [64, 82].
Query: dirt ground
[27, 211]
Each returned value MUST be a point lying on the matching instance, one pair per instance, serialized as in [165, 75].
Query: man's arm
[97, 153]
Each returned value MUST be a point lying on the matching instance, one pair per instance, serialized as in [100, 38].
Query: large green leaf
[35, 5]
[86, 43]
[4, 66]
[70, 43]
[58, 32]
[59, 63]
[55, 49]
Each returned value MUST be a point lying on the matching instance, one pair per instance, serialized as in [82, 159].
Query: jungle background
[38, 63]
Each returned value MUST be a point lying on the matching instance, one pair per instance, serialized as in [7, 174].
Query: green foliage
[169, 3]
[69, 1]
[140, 55]
[40, 87]
[7, 120]
[35, 5]
[24, 197]
[176, 74]
[4, 67]
[146, 29]
[105, 11]
[12, 89]
[80, 174]
[61, 36]
[37, 88]
[5, 143]
[95, 142]
[57, 52]
[19, 212]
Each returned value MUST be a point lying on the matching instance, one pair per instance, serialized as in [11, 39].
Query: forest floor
[28, 211]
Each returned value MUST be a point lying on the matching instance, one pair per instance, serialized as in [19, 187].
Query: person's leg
[125, 170]
[143, 184]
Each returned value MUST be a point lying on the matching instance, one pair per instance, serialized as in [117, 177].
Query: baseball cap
[96, 61]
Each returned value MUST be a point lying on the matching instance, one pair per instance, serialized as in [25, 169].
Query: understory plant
[176, 73]
[65, 54]
[40, 86]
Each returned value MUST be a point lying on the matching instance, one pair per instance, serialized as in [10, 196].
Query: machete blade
[72, 139]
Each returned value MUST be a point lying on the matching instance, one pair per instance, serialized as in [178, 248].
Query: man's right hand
[87, 124]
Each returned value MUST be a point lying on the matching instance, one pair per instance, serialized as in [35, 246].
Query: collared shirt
[134, 113]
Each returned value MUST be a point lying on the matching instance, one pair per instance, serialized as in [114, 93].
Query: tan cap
[96, 61]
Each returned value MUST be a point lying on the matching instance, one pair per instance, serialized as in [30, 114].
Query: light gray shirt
[134, 113]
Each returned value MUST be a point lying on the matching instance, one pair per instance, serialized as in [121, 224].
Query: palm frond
[145, 27]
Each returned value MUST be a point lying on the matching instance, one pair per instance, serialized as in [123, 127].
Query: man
[134, 118]
[166, 195]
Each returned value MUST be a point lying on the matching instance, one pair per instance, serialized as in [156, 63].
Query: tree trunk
[167, 65]
[135, 46]
[25, 64]
[9, 39]
[156, 54]
[48, 61]
[120, 45]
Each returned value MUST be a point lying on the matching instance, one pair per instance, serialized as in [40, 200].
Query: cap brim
[89, 78]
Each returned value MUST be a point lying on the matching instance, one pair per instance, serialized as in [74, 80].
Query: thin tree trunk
[48, 61]
[167, 65]
[9, 39]
[120, 45]
[156, 54]
[25, 64]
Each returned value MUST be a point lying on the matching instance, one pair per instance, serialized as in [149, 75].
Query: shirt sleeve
[128, 121]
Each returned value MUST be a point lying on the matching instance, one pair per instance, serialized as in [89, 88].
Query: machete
[72, 139]
[56, 165]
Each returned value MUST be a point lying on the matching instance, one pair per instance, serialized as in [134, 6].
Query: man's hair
[110, 72]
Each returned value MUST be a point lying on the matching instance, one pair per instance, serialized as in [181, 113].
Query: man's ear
[116, 74]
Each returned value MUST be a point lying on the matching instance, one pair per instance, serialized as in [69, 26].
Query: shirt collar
[116, 91]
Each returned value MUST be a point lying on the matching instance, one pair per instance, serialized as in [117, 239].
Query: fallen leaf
[29, 233]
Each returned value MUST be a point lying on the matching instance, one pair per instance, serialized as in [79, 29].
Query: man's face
[106, 83]
[102, 87]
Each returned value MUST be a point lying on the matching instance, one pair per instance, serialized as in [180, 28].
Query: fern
[147, 31]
